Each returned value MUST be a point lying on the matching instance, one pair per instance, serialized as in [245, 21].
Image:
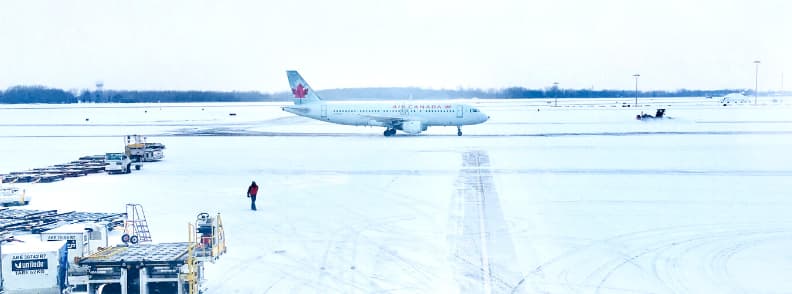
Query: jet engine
[375, 123]
[413, 127]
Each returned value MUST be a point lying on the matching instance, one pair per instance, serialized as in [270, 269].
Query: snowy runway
[575, 199]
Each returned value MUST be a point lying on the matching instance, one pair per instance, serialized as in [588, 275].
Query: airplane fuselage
[359, 114]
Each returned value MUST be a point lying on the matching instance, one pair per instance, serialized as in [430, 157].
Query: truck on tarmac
[119, 163]
[10, 195]
[139, 150]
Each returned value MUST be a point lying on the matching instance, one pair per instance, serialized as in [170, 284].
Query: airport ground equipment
[84, 233]
[25, 220]
[33, 266]
[116, 163]
[139, 150]
[109, 220]
[136, 228]
[56, 172]
[82, 239]
[10, 195]
[144, 269]
[91, 266]
[86, 165]
[209, 235]
[31, 221]
[645, 116]
[31, 177]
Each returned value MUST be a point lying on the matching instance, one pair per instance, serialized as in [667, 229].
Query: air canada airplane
[411, 117]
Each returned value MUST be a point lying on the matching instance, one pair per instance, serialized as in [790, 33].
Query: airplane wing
[386, 120]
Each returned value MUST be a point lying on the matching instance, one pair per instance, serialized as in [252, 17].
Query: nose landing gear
[459, 131]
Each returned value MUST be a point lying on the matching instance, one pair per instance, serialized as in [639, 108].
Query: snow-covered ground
[580, 198]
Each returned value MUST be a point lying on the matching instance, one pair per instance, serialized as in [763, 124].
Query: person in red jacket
[251, 193]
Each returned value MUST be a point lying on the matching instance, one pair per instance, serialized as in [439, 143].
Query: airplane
[411, 117]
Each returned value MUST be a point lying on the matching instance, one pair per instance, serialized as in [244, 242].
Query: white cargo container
[76, 237]
[34, 267]
[98, 236]
[82, 239]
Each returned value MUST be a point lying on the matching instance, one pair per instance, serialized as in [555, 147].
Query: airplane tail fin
[301, 92]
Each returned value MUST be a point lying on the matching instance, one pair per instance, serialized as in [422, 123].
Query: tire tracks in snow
[481, 249]
[678, 259]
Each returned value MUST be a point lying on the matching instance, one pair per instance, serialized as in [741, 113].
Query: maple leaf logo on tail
[300, 91]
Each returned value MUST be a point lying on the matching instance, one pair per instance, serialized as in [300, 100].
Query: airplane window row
[410, 110]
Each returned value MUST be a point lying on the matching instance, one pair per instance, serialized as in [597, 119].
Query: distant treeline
[39, 94]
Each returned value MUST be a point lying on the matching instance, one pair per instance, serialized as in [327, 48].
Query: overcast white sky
[248, 45]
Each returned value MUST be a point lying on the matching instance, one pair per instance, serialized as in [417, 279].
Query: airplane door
[459, 111]
[324, 111]
[403, 110]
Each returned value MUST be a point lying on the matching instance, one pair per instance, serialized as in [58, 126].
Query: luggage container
[75, 235]
[34, 267]
[82, 239]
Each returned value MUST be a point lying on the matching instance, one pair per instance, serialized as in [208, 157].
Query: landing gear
[459, 131]
[389, 132]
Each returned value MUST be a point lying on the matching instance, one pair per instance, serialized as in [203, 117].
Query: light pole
[756, 82]
[636, 89]
[555, 93]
